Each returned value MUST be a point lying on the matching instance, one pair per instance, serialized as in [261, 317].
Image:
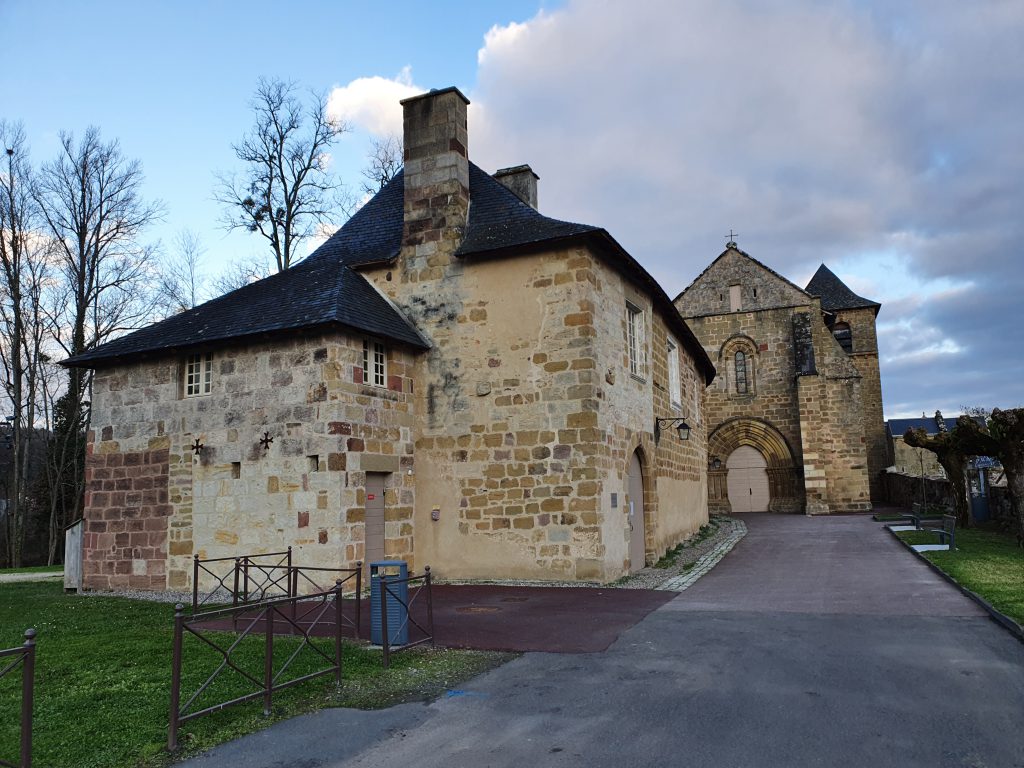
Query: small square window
[198, 375]
[236, 470]
[375, 363]
[313, 463]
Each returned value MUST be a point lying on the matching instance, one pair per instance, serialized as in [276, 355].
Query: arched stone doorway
[635, 513]
[785, 491]
[747, 480]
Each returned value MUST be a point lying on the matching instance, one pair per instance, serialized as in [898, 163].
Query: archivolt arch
[757, 433]
[786, 491]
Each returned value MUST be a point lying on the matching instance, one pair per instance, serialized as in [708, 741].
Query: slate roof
[899, 427]
[313, 293]
[834, 293]
[325, 289]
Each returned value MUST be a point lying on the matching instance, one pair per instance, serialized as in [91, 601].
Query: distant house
[907, 460]
[453, 378]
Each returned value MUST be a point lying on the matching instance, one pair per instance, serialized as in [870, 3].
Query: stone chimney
[522, 181]
[436, 179]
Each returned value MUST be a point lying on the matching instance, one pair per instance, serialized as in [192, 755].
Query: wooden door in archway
[747, 480]
[635, 510]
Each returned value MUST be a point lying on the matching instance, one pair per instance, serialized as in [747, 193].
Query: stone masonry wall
[127, 511]
[865, 358]
[234, 496]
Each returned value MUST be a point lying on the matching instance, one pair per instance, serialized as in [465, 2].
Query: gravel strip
[691, 557]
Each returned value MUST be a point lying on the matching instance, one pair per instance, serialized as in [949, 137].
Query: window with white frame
[675, 389]
[375, 363]
[637, 342]
[198, 375]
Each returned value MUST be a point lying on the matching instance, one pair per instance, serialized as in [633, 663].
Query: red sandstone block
[155, 524]
[395, 383]
[132, 459]
[98, 499]
[357, 374]
[115, 459]
[339, 428]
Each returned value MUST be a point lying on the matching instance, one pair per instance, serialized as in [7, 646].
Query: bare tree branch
[384, 163]
[286, 189]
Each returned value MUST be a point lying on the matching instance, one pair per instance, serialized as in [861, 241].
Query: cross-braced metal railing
[250, 578]
[25, 657]
[302, 615]
[389, 591]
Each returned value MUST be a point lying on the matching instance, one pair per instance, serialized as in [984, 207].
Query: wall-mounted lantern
[682, 428]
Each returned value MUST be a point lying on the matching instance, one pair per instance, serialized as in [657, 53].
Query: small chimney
[436, 169]
[522, 181]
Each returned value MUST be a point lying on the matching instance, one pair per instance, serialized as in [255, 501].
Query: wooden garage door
[747, 480]
[374, 516]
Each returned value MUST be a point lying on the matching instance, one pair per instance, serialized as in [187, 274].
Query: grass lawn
[103, 668]
[985, 562]
[34, 569]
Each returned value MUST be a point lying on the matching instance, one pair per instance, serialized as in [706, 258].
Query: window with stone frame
[741, 372]
[843, 334]
[198, 375]
[636, 340]
[675, 388]
[375, 363]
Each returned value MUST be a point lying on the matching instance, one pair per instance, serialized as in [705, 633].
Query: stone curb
[994, 613]
[706, 562]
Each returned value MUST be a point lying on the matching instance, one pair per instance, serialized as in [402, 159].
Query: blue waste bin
[398, 599]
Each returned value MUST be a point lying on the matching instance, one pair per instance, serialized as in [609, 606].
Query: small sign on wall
[615, 500]
[371, 496]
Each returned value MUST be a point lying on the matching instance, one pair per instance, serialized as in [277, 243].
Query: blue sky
[882, 138]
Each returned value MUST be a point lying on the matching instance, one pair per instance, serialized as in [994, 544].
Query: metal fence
[390, 591]
[25, 656]
[319, 613]
[253, 578]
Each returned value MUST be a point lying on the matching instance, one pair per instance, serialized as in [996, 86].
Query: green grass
[671, 556]
[103, 680]
[988, 563]
[34, 569]
[888, 518]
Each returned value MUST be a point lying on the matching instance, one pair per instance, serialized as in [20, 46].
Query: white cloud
[821, 131]
[372, 103]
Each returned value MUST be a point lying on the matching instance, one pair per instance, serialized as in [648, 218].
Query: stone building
[453, 379]
[908, 460]
[794, 417]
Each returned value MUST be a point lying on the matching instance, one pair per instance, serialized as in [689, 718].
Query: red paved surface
[496, 618]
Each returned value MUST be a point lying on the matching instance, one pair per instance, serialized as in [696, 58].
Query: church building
[794, 416]
[453, 379]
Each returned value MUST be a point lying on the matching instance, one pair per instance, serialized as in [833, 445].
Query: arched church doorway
[635, 512]
[768, 455]
[747, 480]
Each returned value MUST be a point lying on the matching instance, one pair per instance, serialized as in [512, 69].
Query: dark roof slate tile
[835, 294]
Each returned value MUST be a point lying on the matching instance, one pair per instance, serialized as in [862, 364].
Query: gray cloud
[820, 131]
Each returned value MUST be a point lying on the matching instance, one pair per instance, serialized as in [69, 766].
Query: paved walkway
[11, 578]
[816, 642]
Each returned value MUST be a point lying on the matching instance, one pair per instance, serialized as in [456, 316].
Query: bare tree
[239, 274]
[286, 189]
[90, 199]
[384, 163]
[180, 284]
[23, 272]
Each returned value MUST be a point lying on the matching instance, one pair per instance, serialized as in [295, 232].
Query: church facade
[453, 379]
[794, 416]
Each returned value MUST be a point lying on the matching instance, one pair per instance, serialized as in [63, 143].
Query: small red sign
[371, 496]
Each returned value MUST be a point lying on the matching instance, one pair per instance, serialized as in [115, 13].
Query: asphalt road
[816, 642]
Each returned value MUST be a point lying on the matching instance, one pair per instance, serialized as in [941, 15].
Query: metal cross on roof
[732, 237]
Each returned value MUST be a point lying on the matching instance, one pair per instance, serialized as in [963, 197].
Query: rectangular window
[198, 375]
[375, 363]
[735, 301]
[637, 342]
[675, 389]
